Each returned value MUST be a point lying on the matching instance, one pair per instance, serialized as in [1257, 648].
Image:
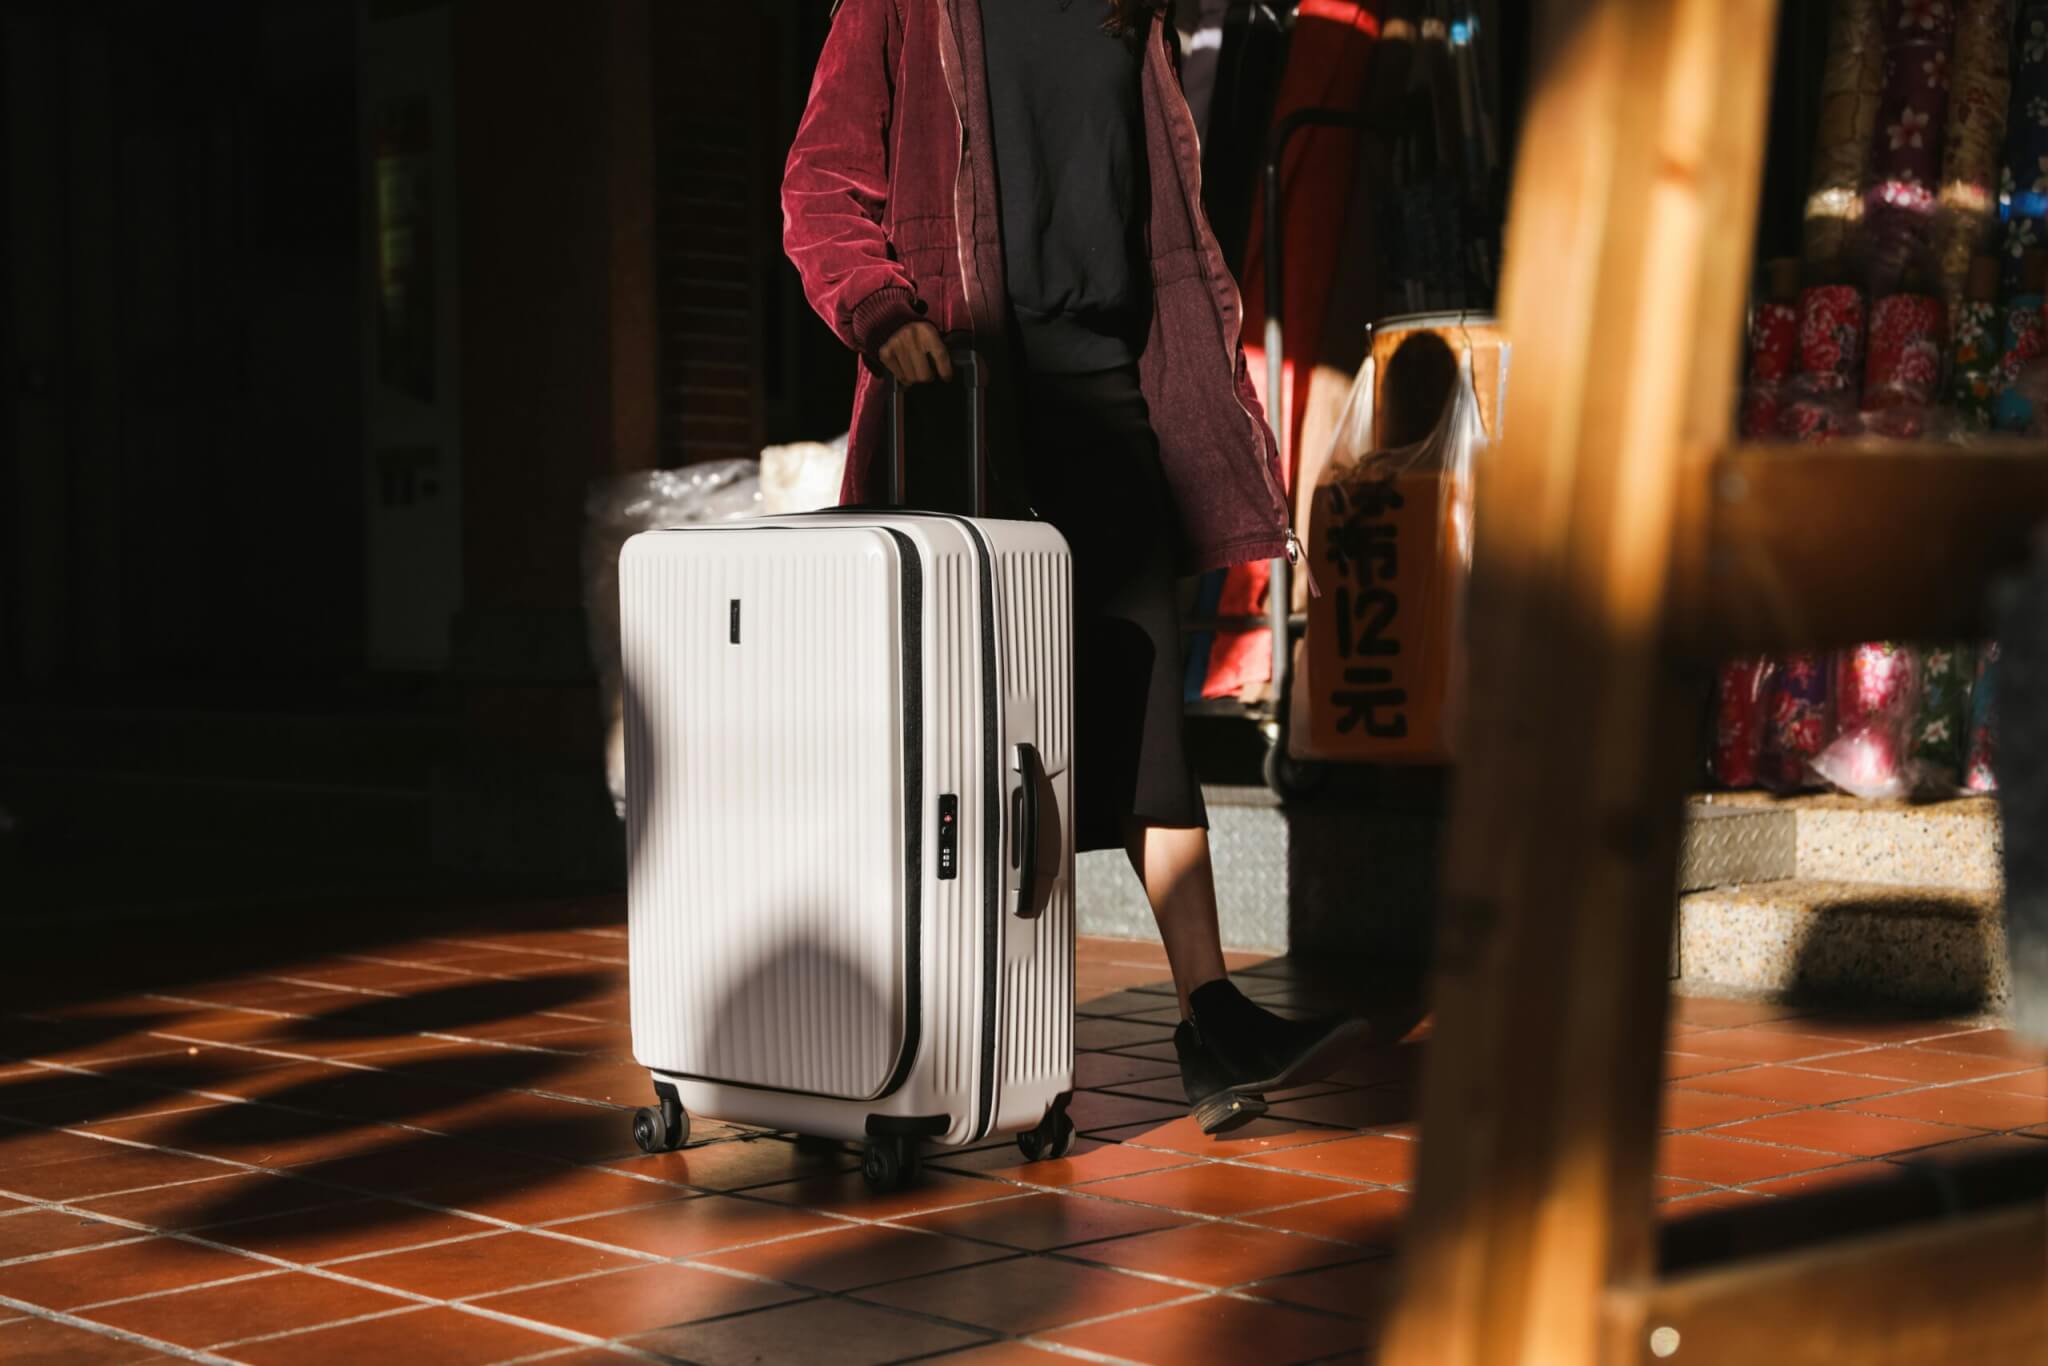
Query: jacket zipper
[1232, 332]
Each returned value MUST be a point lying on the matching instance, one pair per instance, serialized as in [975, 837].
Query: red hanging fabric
[1326, 68]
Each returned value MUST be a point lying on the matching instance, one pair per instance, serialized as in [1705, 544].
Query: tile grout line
[118, 1334]
[285, 1266]
[314, 1328]
[1010, 1188]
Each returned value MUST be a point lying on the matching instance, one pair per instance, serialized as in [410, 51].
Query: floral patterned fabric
[1974, 375]
[1912, 124]
[1799, 721]
[1830, 365]
[1980, 88]
[1773, 355]
[1905, 351]
[2023, 185]
[1942, 715]
[1741, 693]
[1876, 692]
[2013, 411]
[1905, 363]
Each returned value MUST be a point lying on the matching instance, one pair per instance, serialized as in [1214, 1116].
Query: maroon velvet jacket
[889, 214]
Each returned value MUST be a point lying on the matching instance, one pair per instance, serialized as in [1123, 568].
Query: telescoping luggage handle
[968, 370]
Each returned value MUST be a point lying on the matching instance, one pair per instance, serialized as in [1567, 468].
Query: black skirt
[1091, 462]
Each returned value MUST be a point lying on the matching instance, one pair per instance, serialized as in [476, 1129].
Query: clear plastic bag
[1390, 539]
[1878, 699]
[619, 507]
[802, 476]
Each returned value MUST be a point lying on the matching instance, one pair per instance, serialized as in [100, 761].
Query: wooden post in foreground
[1627, 257]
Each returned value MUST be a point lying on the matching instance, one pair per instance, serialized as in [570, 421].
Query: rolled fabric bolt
[1904, 368]
[1905, 351]
[1974, 372]
[1799, 721]
[1942, 716]
[1900, 197]
[1773, 355]
[1875, 677]
[2023, 184]
[1873, 713]
[1823, 397]
[2012, 411]
[1973, 150]
[1830, 337]
[1851, 89]
[1741, 693]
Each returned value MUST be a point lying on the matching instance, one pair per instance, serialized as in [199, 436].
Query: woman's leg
[1180, 883]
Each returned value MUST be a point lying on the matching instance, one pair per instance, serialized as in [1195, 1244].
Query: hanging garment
[1201, 52]
[1326, 69]
[1248, 63]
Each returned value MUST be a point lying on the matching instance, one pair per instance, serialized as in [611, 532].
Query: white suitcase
[850, 826]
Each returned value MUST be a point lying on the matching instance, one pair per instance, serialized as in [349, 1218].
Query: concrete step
[1823, 895]
[1940, 947]
[1348, 874]
[1936, 844]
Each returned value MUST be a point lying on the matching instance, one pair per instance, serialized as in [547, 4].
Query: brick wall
[714, 226]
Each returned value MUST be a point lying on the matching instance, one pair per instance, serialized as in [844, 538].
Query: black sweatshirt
[1070, 172]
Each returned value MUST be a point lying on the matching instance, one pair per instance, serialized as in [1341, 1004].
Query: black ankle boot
[1257, 1051]
[1211, 1100]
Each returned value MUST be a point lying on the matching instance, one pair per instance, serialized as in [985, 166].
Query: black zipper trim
[912, 632]
[992, 828]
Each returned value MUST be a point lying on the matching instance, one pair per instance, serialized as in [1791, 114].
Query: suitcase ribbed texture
[1037, 662]
[952, 1018]
[765, 932]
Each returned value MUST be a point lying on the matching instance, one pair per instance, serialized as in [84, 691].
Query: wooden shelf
[1815, 546]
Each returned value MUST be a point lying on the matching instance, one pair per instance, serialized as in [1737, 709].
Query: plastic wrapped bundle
[1973, 151]
[1830, 365]
[1852, 87]
[1941, 718]
[1741, 694]
[1905, 364]
[1981, 756]
[2023, 185]
[2013, 409]
[1799, 721]
[1773, 352]
[802, 476]
[1974, 349]
[1877, 697]
[1905, 164]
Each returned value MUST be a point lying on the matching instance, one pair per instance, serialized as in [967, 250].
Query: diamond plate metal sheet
[1723, 847]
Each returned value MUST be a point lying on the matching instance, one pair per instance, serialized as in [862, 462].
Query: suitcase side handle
[1024, 762]
[968, 369]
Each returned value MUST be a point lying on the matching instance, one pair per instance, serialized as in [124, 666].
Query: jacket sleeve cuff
[881, 316]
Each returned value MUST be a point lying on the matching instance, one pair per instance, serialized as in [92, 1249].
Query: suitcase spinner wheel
[890, 1163]
[661, 1128]
[1052, 1139]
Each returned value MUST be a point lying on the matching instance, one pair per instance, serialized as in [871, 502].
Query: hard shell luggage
[850, 823]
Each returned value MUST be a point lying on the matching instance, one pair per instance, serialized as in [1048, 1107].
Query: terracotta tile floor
[420, 1151]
